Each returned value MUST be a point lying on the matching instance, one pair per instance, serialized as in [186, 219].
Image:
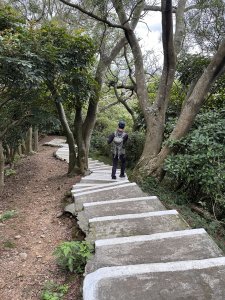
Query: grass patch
[7, 215]
[8, 244]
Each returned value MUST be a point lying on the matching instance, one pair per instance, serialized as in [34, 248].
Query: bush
[134, 148]
[99, 144]
[73, 255]
[199, 165]
[53, 291]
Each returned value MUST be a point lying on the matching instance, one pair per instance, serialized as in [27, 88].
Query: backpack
[118, 143]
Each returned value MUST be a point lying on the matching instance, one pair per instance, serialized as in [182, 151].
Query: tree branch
[90, 14]
[123, 101]
[129, 67]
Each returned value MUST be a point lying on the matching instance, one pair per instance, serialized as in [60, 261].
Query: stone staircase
[142, 250]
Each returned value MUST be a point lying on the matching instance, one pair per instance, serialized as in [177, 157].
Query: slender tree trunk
[23, 146]
[2, 165]
[36, 139]
[73, 168]
[7, 153]
[81, 157]
[90, 119]
[19, 150]
[29, 141]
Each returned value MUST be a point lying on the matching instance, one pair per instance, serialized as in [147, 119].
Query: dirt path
[27, 241]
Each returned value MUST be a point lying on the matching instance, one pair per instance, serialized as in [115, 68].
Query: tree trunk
[157, 113]
[23, 146]
[2, 165]
[78, 134]
[73, 168]
[19, 150]
[36, 139]
[29, 142]
[154, 165]
[90, 119]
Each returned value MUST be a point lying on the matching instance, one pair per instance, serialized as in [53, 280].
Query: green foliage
[73, 255]
[134, 148]
[189, 69]
[7, 215]
[10, 172]
[199, 162]
[53, 291]
[9, 18]
[8, 244]
[99, 144]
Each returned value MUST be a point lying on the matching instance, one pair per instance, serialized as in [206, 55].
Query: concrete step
[101, 175]
[190, 280]
[101, 179]
[135, 224]
[102, 171]
[160, 247]
[78, 189]
[97, 165]
[81, 185]
[121, 191]
[56, 143]
[117, 207]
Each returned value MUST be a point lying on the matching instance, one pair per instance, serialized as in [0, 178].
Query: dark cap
[121, 124]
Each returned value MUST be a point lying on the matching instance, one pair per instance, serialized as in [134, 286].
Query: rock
[23, 255]
[59, 215]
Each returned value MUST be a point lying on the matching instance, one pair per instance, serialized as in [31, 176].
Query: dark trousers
[122, 159]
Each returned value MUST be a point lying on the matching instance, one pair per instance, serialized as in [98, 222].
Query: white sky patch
[150, 32]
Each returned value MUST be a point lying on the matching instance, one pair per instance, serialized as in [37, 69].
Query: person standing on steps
[118, 140]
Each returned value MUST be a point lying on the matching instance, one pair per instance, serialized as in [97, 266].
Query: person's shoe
[113, 177]
[122, 175]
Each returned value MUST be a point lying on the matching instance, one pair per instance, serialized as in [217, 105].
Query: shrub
[199, 165]
[10, 172]
[134, 148]
[99, 144]
[53, 291]
[73, 255]
[7, 215]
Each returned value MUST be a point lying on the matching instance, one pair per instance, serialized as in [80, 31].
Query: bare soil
[27, 241]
